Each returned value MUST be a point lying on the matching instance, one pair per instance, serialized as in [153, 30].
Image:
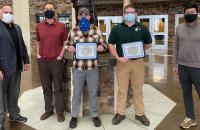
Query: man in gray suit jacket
[13, 58]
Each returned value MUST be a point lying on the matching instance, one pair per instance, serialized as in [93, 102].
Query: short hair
[129, 6]
[51, 3]
[1, 7]
[190, 5]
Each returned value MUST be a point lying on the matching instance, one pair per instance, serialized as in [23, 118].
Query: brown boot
[46, 115]
[60, 116]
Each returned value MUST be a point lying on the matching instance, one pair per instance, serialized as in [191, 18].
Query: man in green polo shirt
[131, 69]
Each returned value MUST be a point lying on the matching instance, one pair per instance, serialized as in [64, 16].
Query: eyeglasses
[131, 12]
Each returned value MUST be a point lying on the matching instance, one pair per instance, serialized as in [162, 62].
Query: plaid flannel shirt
[93, 35]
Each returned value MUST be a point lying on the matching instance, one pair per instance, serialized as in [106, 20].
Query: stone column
[73, 17]
[126, 2]
[21, 17]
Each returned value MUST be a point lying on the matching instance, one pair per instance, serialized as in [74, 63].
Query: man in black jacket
[13, 57]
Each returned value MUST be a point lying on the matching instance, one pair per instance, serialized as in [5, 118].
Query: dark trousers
[189, 76]
[51, 76]
[9, 94]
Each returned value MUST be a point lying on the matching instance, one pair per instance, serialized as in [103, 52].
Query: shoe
[18, 118]
[2, 128]
[46, 115]
[187, 123]
[143, 120]
[96, 121]
[117, 119]
[73, 122]
[60, 117]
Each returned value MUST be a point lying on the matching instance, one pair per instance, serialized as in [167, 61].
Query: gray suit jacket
[8, 57]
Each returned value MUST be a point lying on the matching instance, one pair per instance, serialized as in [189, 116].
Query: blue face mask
[84, 24]
[130, 17]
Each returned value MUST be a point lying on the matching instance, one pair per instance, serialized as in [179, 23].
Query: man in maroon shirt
[51, 36]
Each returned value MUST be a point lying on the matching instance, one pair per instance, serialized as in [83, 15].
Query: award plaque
[86, 51]
[133, 50]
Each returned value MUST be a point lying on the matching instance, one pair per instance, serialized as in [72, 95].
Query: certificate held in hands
[133, 50]
[86, 51]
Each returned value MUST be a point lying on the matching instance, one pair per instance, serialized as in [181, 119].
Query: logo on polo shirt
[137, 29]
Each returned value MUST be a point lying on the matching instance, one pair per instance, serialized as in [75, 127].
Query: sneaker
[60, 117]
[187, 123]
[18, 118]
[143, 120]
[46, 115]
[73, 122]
[117, 119]
[96, 121]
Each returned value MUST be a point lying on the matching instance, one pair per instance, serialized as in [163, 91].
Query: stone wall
[152, 8]
[36, 6]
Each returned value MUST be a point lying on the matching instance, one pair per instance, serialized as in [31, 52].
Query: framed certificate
[86, 51]
[133, 50]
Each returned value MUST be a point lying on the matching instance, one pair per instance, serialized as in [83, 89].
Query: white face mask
[7, 18]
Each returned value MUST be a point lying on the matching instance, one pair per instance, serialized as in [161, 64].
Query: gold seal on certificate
[133, 50]
[86, 51]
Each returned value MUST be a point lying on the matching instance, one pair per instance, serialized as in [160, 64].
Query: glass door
[160, 32]
[106, 23]
[103, 25]
[147, 21]
[158, 27]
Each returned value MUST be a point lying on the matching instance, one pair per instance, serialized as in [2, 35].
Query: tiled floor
[159, 74]
[32, 105]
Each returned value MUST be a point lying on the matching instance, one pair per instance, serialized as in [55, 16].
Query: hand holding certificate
[133, 50]
[86, 51]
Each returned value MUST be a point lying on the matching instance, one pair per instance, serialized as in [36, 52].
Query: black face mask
[49, 14]
[190, 17]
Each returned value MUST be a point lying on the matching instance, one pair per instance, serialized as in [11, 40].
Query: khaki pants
[132, 70]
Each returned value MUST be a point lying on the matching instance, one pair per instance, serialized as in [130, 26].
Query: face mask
[129, 17]
[7, 18]
[84, 24]
[49, 14]
[190, 17]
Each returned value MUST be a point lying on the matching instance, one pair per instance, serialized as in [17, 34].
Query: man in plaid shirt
[85, 69]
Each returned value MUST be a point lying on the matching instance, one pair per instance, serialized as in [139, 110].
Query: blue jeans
[92, 79]
[189, 76]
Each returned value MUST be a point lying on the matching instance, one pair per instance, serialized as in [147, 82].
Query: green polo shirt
[122, 34]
